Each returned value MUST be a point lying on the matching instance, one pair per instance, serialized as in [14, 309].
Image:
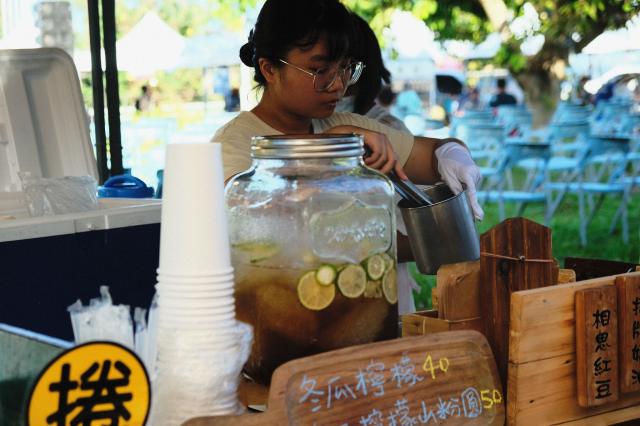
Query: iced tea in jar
[312, 233]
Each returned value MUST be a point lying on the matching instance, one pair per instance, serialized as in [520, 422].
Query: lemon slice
[390, 286]
[352, 281]
[388, 261]
[326, 274]
[314, 295]
[258, 250]
[375, 266]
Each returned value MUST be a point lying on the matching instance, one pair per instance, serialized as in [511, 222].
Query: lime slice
[314, 295]
[326, 274]
[257, 250]
[375, 266]
[373, 289]
[390, 286]
[352, 281]
[388, 261]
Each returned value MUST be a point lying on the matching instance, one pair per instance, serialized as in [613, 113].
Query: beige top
[235, 137]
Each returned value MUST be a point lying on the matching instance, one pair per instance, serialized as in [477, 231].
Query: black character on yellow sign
[104, 392]
[94, 384]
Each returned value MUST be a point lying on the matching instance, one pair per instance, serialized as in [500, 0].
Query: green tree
[567, 25]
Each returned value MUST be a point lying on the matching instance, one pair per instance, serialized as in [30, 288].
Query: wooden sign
[596, 346]
[629, 332]
[444, 378]
[515, 255]
[542, 362]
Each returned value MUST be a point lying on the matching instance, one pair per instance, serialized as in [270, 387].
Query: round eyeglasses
[324, 78]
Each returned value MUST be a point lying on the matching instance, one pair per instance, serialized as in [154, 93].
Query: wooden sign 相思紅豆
[629, 332]
[596, 345]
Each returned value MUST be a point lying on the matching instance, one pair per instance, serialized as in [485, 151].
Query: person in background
[583, 96]
[606, 92]
[386, 98]
[232, 100]
[408, 102]
[145, 101]
[470, 100]
[300, 52]
[502, 97]
[360, 98]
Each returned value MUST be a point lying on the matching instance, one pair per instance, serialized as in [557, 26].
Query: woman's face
[294, 88]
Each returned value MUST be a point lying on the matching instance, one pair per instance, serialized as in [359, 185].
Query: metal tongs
[405, 188]
[409, 191]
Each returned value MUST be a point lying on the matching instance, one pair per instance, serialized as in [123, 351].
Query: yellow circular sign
[93, 384]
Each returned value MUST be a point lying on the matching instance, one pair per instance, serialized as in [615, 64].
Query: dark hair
[386, 95]
[285, 24]
[501, 83]
[367, 49]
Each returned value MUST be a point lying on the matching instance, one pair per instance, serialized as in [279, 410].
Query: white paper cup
[196, 290]
[214, 283]
[222, 286]
[232, 332]
[193, 233]
[197, 322]
[203, 286]
[202, 310]
[177, 300]
[183, 294]
[200, 274]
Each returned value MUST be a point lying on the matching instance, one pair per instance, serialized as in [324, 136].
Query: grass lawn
[566, 238]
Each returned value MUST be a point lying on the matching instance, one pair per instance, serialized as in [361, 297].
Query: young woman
[361, 96]
[300, 51]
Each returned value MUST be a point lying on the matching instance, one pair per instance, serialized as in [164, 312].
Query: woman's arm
[422, 165]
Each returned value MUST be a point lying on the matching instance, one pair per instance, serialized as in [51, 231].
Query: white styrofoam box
[113, 213]
[44, 128]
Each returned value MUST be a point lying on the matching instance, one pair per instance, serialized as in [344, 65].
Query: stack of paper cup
[201, 348]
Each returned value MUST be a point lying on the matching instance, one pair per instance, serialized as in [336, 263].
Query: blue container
[125, 186]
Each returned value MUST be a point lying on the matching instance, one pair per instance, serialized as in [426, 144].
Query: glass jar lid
[307, 146]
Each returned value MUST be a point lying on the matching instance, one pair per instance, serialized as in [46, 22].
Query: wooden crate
[542, 387]
[426, 322]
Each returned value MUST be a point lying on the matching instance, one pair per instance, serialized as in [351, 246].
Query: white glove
[456, 168]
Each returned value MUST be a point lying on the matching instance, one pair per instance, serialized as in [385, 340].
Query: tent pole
[98, 90]
[113, 97]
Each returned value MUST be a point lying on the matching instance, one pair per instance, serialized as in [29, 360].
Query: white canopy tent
[623, 39]
[213, 50]
[151, 45]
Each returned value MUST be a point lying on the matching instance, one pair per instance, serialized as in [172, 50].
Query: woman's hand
[456, 168]
[382, 157]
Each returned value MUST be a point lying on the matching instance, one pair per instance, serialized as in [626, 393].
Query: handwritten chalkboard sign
[596, 346]
[629, 332]
[443, 378]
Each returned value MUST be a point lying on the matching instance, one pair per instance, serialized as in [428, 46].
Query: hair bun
[246, 54]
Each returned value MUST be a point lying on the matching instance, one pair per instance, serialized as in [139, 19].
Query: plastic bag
[102, 320]
[52, 196]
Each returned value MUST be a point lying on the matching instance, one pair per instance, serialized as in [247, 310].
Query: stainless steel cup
[441, 233]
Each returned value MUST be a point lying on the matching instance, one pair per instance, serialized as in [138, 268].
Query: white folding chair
[530, 190]
[599, 174]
